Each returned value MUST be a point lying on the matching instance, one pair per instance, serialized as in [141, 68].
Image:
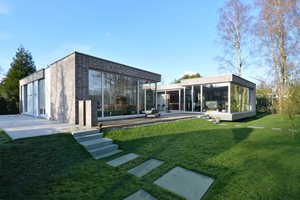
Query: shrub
[3, 106]
[13, 107]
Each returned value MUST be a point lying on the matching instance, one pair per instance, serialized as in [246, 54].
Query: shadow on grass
[56, 166]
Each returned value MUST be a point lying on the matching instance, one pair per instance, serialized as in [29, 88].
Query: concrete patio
[22, 126]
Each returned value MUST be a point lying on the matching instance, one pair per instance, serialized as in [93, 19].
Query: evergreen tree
[187, 76]
[22, 66]
[3, 106]
[13, 107]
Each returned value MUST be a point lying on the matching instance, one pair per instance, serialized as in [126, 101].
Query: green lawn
[246, 163]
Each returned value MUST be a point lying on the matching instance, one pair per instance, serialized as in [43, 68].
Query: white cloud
[62, 51]
[5, 7]
[187, 72]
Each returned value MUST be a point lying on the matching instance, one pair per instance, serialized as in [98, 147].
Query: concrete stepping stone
[255, 127]
[141, 194]
[223, 124]
[277, 129]
[294, 130]
[145, 167]
[186, 183]
[123, 159]
[237, 125]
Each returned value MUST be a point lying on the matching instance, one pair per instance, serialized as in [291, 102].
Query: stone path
[255, 127]
[123, 159]
[237, 125]
[277, 129]
[145, 167]
[186, 183]
[141, 194]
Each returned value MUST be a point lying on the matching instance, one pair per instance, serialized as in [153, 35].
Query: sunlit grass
[246, 163]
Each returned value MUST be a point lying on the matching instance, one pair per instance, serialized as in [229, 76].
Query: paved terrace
[133, 122]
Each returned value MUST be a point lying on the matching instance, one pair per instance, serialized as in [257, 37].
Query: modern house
[121, 91]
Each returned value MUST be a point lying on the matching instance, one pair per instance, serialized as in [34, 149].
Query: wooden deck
[123, 123]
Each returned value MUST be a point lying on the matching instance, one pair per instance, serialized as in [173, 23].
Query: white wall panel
[47, 92]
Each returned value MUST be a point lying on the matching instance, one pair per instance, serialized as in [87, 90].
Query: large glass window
[197, 98]
[95, 90]
[181, 99]
[120, 95]
[25, 99]
[150, 95]
[142, 96]
[161, 100]
[41, 93]
[173, 100]
[240, 99]
[188, 98]
[215, 98]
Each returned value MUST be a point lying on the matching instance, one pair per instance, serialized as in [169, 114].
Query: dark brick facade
[70, 82]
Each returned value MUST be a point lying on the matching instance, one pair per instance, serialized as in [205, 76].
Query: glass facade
[41, 94]
[150, 95]
[181, 99]
[122, 95]
[125, 95]
[215, 98]
[173, 100]
[188, 98]
[161, 100]
[197, 98]
[95, 89]
[240, 98]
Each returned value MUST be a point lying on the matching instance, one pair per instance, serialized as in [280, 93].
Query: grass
[246, 163]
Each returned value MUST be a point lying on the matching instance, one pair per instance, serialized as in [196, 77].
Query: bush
[3, 106]
[13, 107]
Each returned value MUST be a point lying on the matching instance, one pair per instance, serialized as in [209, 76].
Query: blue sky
[166, 37]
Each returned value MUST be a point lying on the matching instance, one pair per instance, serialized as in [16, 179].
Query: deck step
[211, 120]
[96, 143]
[89, 137]
[84, 133]
[108, 154]
[102, 150]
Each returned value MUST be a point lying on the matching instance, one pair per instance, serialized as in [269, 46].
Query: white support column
[102, 94]
[179, 94]
[166, 100]
[229, 97]
[145, 93]
[192, 98]
[184, 99]
[155, 95]
[201, 98]
[138, 97]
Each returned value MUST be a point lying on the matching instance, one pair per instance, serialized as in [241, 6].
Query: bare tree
[278, 47]
[234, 32]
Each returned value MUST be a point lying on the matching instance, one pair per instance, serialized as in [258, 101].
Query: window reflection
[240, 100]
[215, 97]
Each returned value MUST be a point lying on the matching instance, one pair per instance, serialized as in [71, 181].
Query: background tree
[291, 106]
[277, 46]
[3, 106]
[13, 107]
[234, 32]
[22, 66]
[186, 76]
